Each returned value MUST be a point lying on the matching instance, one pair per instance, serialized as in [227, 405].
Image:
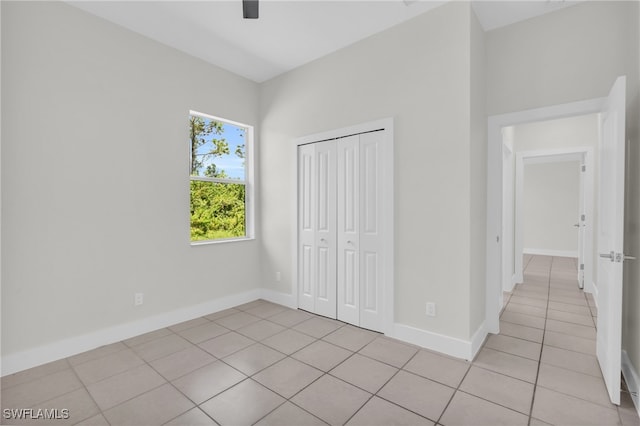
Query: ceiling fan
[250, 9]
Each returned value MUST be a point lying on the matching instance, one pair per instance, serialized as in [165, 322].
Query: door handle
[617, 257]
[610, 256]
[576, 225]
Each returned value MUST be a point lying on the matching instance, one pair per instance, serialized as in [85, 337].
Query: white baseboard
[478, 338]
[508, 287]
[437, 342]
[283, 299]
[459, 348]
[518, 278]
[632, 378]
[15, 362]
[12, 363]
[593, 289]
[548, 252]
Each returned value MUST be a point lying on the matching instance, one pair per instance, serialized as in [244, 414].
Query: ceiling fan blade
[250, 9]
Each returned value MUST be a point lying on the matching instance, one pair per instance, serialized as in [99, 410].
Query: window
[220, 187]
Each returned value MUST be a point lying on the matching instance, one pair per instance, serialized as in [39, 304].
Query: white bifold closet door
[317, 223]
[340, 257]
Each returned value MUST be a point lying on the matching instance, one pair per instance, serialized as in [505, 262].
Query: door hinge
[583, 168]
[582, 266]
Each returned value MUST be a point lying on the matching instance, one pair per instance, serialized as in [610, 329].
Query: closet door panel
[349, 279]
[370, 184]
[323, 278]
[369, 281]
[325, 225]
[306, 230]
[348, 207]
[371, 247]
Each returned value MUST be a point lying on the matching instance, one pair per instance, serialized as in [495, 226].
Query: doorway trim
[508, 205]
[583, 155]
[384, 125]
[493, 301]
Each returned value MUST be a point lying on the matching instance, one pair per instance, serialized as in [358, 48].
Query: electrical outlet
[431, 309]
[138, 299]
[278, 276]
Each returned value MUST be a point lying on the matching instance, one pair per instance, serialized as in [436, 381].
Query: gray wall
[571, 132]
[572, 55]
[95, 176]
[478, 167]
[551, 207]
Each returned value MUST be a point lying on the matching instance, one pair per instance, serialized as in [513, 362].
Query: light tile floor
[264, 364]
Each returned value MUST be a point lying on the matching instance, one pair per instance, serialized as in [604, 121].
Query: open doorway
[547, 205]
[554, 208]
[610, 207]
[559, 154]
[504, 145]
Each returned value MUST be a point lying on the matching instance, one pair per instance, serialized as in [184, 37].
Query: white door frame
[508, 214]
[385, 125]
[495, 189]
[584, 155]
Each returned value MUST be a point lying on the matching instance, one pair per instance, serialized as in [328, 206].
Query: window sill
[221, 241]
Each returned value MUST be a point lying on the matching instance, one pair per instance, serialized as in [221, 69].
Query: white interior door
[306, 227]
[610, 238]
[317, 229]
[326, 228]
[360, 230]
[349, 230]
[372, 249]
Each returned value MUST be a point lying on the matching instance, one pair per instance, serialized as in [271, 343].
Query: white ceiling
[288, 33]
[496, 14]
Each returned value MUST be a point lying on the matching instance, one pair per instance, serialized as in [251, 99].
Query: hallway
[548, 338]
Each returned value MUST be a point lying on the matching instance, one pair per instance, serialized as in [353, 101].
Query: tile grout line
[328, 373]
[247, 377]
[84, 387]
[542, 344]
[454, 394]
[535, 385]
[399, 369]
[373, 394]
[324, 373]
[285, 357]
[568, 369]
[144, 362]
[170, 382]
[167, 381]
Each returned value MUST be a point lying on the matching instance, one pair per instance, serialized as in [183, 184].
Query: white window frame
[247, 182]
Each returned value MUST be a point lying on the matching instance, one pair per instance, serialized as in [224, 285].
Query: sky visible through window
[231, 165]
